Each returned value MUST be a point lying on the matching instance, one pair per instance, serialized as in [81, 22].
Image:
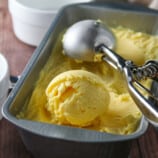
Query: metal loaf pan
[47, 141]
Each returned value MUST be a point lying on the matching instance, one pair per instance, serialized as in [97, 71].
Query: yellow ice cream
[117, 113]
[77, 97]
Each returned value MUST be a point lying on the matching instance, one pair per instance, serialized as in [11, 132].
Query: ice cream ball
[77, 97]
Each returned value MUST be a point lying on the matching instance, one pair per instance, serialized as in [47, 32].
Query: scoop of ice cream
[77, 97]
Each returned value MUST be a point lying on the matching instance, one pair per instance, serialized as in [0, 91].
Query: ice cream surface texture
[90, 95]
[77, 97]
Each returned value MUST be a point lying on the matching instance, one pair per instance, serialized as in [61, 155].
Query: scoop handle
[112, 58]
[149, 104]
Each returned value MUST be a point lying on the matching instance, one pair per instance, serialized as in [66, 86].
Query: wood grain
[18, 54]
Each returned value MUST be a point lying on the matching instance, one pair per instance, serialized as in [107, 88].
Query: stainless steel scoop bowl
[84, 39]
[81, 39]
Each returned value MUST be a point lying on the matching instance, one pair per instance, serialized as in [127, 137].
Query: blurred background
[148, 3]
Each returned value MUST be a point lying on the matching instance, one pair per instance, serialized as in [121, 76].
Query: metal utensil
[86, 38]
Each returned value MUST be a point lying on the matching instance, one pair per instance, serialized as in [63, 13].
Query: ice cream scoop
[77, 97]
[89, 37]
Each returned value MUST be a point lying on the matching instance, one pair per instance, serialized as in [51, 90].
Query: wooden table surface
[17, 54]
